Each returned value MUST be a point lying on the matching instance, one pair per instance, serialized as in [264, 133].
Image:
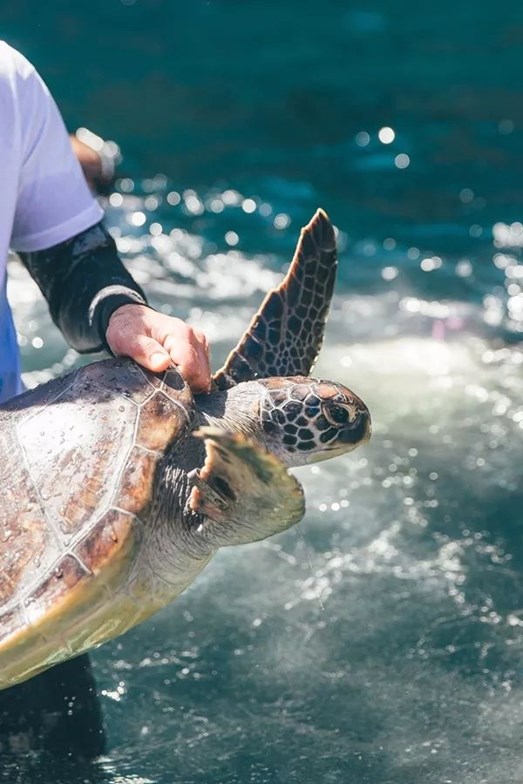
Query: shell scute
[120, 377]
[159, 422]
[111, 536]
[176, 388]
[134, 492]
[73, 453]
[10, 622]
[66, 574]
[23, 535]
[24, 404]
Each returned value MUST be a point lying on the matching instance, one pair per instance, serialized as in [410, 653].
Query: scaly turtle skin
[120, 485]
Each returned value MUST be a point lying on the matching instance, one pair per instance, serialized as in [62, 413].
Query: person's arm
[83, 281]
[96, 304]
[56, 230]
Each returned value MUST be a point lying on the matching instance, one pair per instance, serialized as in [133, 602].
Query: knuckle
[116, 341]
[201, 338]
[192, 335]
[133, 342]
[139, 344]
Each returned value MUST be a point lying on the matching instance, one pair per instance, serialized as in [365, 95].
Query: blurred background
[380, 642]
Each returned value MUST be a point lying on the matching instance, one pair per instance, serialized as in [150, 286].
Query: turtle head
[305, 420]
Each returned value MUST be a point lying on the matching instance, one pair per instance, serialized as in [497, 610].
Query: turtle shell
[79, 456]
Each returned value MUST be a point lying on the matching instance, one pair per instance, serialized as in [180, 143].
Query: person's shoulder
[21, 87]
[13, 64]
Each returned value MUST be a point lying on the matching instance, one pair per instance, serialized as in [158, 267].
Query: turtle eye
[336, 415]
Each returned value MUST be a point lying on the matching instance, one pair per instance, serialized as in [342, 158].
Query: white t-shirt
[44, 198]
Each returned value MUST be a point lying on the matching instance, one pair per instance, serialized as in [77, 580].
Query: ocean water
[380, 641]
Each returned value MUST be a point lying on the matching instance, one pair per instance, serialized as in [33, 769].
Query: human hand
[88, 159]
[97, 158]
[155, 341]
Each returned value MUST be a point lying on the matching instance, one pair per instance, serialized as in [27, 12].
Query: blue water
[380, 642]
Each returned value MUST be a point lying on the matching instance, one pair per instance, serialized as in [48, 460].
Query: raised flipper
[285, 336]
[243, 492]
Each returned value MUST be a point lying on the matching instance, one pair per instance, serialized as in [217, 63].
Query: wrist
[108, 301]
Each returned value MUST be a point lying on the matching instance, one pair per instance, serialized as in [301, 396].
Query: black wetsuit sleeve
[84, 282]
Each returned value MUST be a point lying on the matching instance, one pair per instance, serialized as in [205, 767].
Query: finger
[202, 377]
[192, 359]
[194, 367]
[201, 337]
[144, 350]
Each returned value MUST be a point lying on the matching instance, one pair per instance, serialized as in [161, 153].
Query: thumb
[145, 350]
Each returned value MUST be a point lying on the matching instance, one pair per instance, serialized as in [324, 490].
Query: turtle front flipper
[243, 492]
[285, 336]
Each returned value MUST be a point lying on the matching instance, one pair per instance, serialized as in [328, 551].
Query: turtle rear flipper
[285, 336]
[244, 493]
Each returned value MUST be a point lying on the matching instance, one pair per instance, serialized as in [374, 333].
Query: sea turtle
[119, 486]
